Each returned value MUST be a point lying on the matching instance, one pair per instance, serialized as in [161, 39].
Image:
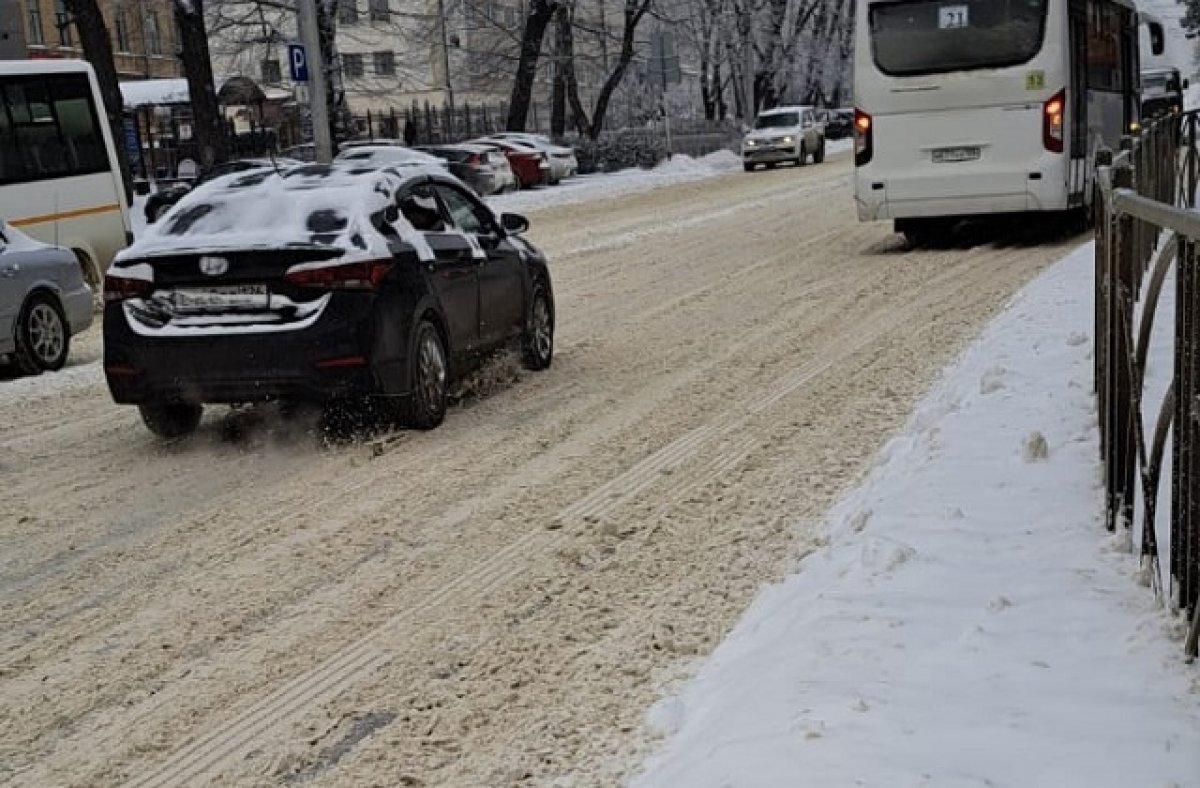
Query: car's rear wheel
[537, 343]
[42, 337]
[430, 379]
[748, 167]
[171, 419]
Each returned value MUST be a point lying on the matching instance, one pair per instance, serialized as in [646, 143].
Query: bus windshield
[916, 37]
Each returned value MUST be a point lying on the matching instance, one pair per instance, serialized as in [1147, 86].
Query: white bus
[59, 177]
[982, 107]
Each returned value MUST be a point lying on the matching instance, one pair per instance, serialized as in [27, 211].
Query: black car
[839, 124]
[161, 201]
[324, 284]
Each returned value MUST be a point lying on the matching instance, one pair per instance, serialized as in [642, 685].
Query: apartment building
[143, 34]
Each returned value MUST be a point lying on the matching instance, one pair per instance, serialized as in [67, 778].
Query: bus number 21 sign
[952, 16]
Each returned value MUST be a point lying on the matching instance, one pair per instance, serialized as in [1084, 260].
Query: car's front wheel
[537, 343]
[802, 159]
[430, 379]
[819, 155]
[42, 337]
[171, 420]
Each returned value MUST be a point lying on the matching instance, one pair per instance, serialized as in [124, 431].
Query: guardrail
[1146, 223]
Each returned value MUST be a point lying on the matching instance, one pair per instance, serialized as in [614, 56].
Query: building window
[385, 64]
[347, 12]
[352, 66]
[379, 11]
[153, 34]
[271, 73]
[120, 28]
[36, 36]
[62, 20]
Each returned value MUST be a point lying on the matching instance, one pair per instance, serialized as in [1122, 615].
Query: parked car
[839, 123]
[43, 301]
[330, 284]
[306, 152]
[161, 201]
[784, 134]
[483, 168]
[532, 168]
[563, 163]
[1162, 92]
[386, 155]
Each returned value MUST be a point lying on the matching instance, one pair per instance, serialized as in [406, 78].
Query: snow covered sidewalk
[969, 623]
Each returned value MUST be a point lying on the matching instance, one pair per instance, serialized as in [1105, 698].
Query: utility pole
[306, 18]
[441, 8]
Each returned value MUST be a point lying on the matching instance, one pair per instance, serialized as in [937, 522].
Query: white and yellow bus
[982, 107]
[59, 177]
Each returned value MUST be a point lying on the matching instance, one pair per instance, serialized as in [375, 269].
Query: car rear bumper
[337, 356]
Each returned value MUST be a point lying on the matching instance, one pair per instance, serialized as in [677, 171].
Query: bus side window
[78, 125]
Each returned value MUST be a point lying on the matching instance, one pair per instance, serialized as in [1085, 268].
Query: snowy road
[497, 602]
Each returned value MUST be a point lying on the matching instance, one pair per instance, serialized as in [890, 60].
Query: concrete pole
[306, 18]
[441, 10]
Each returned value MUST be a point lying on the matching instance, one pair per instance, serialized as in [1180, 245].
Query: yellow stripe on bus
[58, 217]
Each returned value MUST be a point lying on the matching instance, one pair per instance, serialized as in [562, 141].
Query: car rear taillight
[864, 138]
[1052, 122]
[339, 276]
[120, 288]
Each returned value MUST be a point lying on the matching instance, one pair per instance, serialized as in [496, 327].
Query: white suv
[784, 134]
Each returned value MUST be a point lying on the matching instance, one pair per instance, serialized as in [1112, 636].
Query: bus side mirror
[1185, 84]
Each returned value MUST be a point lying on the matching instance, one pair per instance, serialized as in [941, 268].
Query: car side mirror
[514, 223]
[391, 214]
[1185, 84]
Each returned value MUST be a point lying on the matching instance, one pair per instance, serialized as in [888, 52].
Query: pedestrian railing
[1146, 223]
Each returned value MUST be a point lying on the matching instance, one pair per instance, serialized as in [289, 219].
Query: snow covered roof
[335, 206]
[150, 92]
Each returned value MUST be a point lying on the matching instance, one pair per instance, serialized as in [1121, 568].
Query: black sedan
[325, 284]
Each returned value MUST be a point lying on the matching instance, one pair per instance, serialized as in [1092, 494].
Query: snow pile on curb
[584, 188]
[969, 623]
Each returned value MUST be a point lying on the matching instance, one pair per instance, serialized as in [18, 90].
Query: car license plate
[222, 297]
[950, 155]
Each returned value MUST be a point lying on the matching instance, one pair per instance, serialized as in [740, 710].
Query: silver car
[43, 301]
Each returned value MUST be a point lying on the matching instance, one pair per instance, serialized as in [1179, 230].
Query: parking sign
[297, 63]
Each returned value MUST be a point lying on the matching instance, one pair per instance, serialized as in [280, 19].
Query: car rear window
[916, 37]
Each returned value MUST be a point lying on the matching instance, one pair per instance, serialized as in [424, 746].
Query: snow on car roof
[338, 205]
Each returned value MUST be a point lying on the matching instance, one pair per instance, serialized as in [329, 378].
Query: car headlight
[788, 140]
[749, 143]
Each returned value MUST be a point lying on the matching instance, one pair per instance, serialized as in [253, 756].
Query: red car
[530, 167]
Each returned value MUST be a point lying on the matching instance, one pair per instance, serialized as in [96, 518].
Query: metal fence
[1145, 223]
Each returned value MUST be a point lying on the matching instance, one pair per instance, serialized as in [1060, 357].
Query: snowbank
[969, 623]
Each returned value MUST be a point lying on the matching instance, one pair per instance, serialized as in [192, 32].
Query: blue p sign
[297, 62]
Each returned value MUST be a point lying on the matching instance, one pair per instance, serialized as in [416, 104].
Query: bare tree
[208, 126]
[541, 12]
[634, 12]
[97, 48]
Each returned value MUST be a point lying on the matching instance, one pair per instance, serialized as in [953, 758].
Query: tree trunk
[208, 126]
[335, 97]
[634, 11]
[558, 98]
[540, 14]
[97, 48]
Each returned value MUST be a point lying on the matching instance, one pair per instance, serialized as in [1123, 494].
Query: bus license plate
[949, 155]
[222, 297]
